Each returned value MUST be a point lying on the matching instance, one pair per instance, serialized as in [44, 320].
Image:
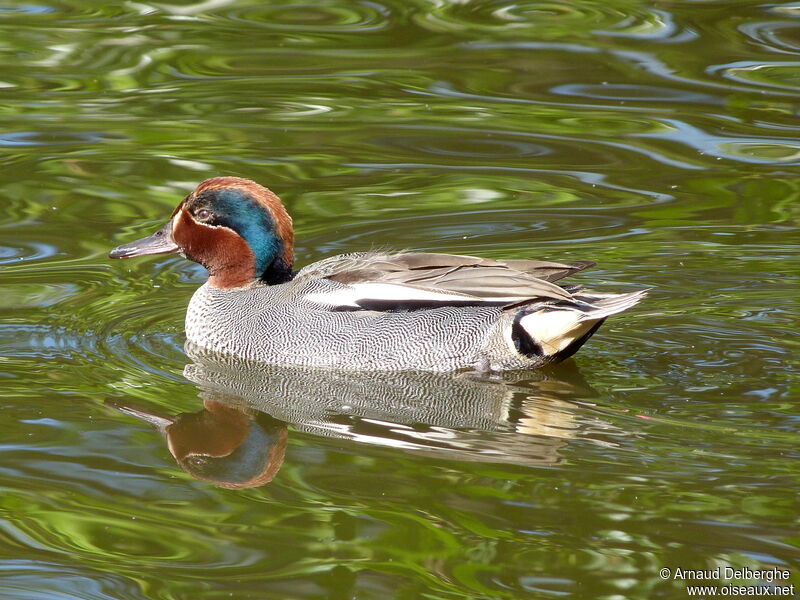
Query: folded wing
[405, 281]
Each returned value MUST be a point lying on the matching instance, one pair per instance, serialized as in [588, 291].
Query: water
[657, 138]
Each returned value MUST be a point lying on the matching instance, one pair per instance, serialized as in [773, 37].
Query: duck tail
[604, 305]
[557, 331]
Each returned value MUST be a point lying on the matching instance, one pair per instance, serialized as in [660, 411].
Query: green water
[658, 138]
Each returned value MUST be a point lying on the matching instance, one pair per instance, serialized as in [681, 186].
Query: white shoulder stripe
[389, 292]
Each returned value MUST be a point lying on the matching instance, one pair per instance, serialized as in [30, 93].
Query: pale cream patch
[554, 330]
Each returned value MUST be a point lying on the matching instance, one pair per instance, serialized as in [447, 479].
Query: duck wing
[404, 281]
[540, 269]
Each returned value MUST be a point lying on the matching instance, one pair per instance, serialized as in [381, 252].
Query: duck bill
[160, 242]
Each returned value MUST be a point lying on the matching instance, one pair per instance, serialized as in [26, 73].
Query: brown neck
[229, 260]
[230, 278]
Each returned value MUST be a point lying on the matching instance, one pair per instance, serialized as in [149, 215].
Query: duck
[376, 310]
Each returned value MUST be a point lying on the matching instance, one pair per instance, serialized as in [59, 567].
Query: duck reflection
[232, 447]
[238, 439]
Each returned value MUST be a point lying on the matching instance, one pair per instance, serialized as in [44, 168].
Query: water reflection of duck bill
[220, 443]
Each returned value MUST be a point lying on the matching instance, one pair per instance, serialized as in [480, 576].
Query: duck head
[234, 227]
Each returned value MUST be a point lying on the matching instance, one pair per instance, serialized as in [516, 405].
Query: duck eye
[203, 214]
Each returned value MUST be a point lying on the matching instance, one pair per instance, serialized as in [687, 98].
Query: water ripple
[544, 19]
[315, 17]
[463, 147]
[651, 63]
[471, 232]
[776, 36]
[781, 75]
[25, 250]
[52, 580]
[62, 138]
[80, 320]
[634, 92]
[762, 150]
[28, 9]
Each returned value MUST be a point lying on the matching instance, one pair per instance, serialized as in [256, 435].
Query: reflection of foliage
[419, 533]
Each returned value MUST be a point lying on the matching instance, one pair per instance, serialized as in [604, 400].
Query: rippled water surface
[658, 138]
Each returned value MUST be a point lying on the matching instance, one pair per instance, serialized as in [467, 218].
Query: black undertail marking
[524, 343]
[576, 345]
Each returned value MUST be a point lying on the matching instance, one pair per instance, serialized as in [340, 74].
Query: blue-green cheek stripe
[253, 222]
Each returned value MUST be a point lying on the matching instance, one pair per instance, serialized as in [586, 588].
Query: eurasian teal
[367, 310]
